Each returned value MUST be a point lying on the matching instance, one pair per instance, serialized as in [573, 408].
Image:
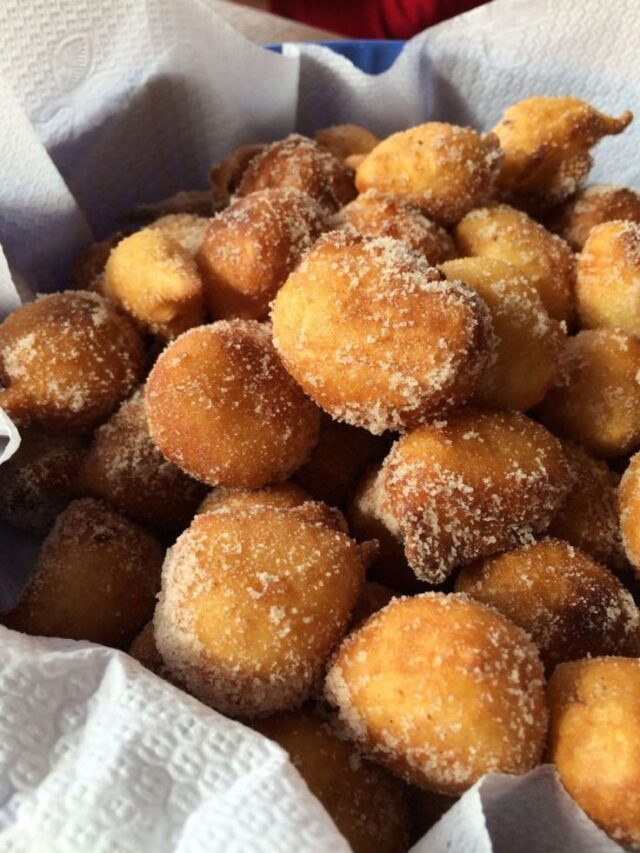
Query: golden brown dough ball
[569, 605]
[528, 342]
[546, 142]
[478, 483]
[221, 407]
[252, 246]
[502, 232]
[124, 468]
[252, 603]
[441, 689]
[338, 460]
[155, 280]
[374, 597]
[300, 163]
[593, 740]
[379, 214]
[185, 228]
[281, 496]
[443, 169]
[375, 336]
[588, 518]
[368, 805]
[345, 140]
[226, 176]
[66, 361]
[595, 399]
[593, 206]
[608, 278]
[144, 649]
[629, 504]
[36, 484]
[90, 263]
[367, 520]
[96, 579]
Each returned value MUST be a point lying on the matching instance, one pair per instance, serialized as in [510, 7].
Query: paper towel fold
[108, 105]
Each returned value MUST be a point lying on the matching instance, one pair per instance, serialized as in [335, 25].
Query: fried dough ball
[375, 336]
[341, 456]
[221, 407]
[96, 579]
[124, 468]
[144, 650]
[367, 521]
[185, 228]
[608, 277]
[226, 176]
[374, 597]
[66, 361]
[368, 805]
[593, 740]
[281, 496]
[546, 142]
[36, 484]
[507, 234]
[345, 140]
[441, 689]
[379, 214]
[252, 246]
[593, 206]
[300, 163]
[155, 280]
[629, 504]
[528, 342]
[478, 483]
[569, 605]
[443, 169]
[596, 397]
[252, 603]
[90, 263]
[588, 518]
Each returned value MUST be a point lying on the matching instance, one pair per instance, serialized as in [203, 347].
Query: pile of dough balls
[348, 448]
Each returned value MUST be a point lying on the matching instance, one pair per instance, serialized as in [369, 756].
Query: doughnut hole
[345, 140]
[593, 206]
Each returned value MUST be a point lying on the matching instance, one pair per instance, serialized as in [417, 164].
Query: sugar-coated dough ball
[226, 176]
[595, 400]
[66, 361]
[221, 407]
[472, 485]
[368, 520]
[368, 805]
[379, 214]
[300, 163]
[282, 495]
[345, 140]
[36, 484]
[441, 689]
[155, 280]
[96, 579]
[570, 605]
[341, 456]
[144, 649]
[593, 206]
[608, 277]
[502, 232]
[375, 336]
[593, 740]
[528, 342]
[89, 265]
[185, 228]
[252, 603]
[124, 468]
[443, 169]
[588, 518]
[629, 503]
[546, 142]
[251, 247]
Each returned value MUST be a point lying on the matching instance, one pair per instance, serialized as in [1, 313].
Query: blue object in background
[372, 56]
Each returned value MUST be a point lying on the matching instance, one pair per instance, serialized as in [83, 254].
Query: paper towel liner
[108, 105]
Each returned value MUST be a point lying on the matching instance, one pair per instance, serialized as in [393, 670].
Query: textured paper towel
[107, 105]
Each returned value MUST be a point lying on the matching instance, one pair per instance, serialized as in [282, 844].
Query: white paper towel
[107, 105]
